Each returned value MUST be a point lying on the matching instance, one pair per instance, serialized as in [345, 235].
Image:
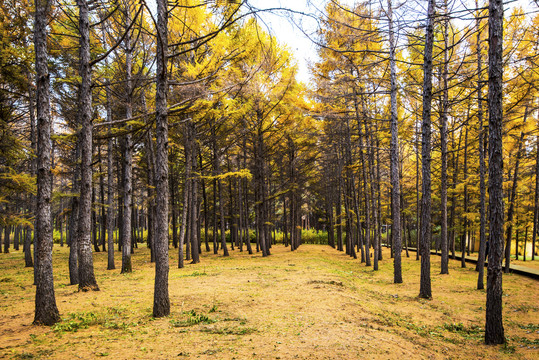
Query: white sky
[281, 25]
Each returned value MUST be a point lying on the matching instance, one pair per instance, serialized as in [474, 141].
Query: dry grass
[314, 303]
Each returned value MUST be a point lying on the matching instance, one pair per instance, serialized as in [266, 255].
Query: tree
[46, 312]
[395, 183]
[494, 332]
[161, 301]
[86, 265]
[426, 216]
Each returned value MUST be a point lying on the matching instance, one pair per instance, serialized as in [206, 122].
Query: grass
[313, 303]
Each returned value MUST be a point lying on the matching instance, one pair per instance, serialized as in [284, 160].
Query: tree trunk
[127, 160]
[173, 202]
[394, 154]
[465, 234]
[74, 224]
[418, 204]
[32, 206]
[186, 192]
[46, 312]
[425, 283]
[482, 169]
[510, 212]
[494, 332]
[193, 208]
[339, 217]
[110, 189]
[161, 304]
[86, 265]
[536, 204]
[205, 199]
[443, 139]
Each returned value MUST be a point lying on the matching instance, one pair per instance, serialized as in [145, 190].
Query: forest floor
[314, 303]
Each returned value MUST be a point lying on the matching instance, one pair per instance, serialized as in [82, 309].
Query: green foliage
[530, 327]
[466, 331]
[241, 330]
[192, 318]
[76, 321]
[195, 274]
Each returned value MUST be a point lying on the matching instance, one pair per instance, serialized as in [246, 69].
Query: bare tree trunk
[127, 159]
[378, 195]
[110, 189]
[365, 184]
[205, 199]
[418, 203]
[536, 204]
[193, 208]
[394, 150]
[376, 239]
[173, 203]
[193, 212]
[443, 139]
[161, 303]
[86, 264]
[425, 283]
[73, 223]
[465, 234]
[243, 185]
[494, 332]
[94, 223]
[338, 207]
[482, 168]
[32, 206]
[186, 192]
[512, 199]
[46, 312]
[102, 221]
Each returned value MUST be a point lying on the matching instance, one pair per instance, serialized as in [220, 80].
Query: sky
[285, 27]
[281, 23]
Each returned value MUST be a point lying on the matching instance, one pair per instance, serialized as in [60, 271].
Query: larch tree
[46, 312]
[87, 279]
[394, 150]
[494, 331]
[161, 302]
[426, 216]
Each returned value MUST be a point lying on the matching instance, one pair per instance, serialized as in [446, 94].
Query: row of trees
[221, 148]
[186, 121]
[380, 134]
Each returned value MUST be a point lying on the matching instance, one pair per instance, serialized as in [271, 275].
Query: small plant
[118, 325]
[77, 321]
[463, 330]
[531, 327]
[193, 318]
[195, 274]
[230, 330]
[24, 355]
[508, 349]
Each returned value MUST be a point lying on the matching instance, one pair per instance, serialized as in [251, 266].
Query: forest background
[187, 121]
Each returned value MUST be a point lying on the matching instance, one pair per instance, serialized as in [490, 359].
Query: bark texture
[482, 168]
[46, 312]
[425, 283]
[394, 156]
[86, 264]
[494, 332]
[161, 301]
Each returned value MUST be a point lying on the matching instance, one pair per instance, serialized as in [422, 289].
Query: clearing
[314, 303]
